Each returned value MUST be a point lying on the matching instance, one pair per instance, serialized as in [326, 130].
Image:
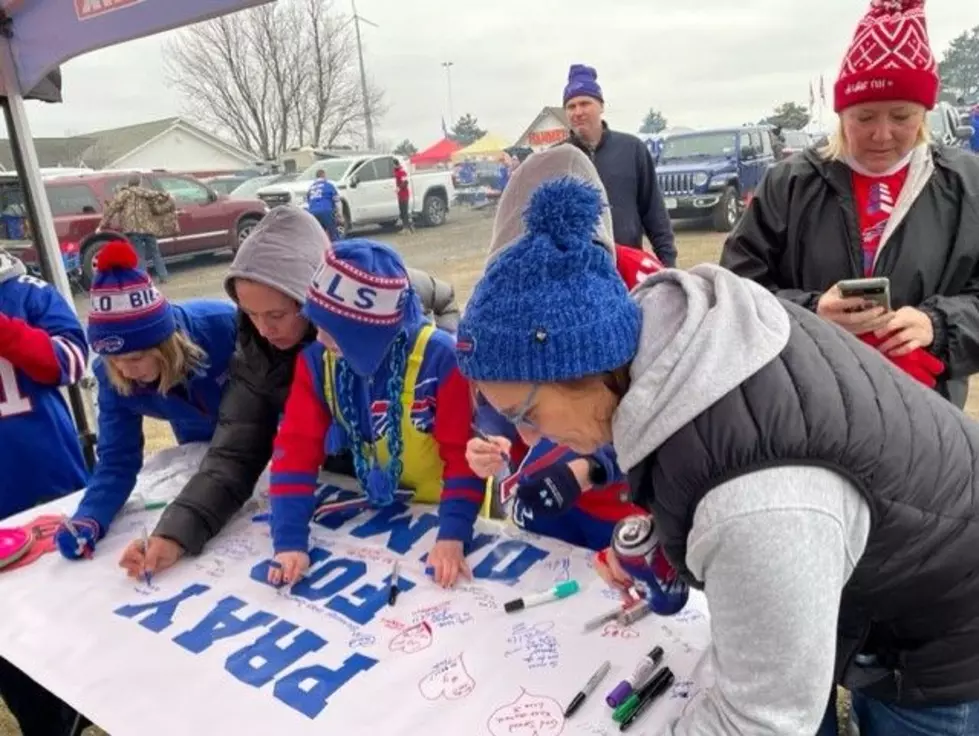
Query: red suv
[209, 222]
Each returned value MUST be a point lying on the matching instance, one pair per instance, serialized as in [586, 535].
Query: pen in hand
[147, 575]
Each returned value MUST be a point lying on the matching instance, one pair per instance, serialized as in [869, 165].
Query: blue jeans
[328, 222]
[883, 719]
[147, 248]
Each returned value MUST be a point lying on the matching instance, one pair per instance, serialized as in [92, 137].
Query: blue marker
[559, 591]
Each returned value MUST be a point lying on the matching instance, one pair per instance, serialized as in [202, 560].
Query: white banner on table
[210, 648]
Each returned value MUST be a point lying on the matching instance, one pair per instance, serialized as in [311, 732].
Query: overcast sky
[701, 62]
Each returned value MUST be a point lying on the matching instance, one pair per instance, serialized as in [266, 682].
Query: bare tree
[274, 77]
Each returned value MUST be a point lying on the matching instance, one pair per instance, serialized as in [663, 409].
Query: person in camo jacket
[142, 215]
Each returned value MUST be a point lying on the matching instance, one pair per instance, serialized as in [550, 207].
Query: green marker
[559, 591]
[625, 708]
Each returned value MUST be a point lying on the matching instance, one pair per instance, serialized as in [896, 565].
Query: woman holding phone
[879, 201]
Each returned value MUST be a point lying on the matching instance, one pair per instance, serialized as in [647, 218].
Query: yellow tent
[488, 148]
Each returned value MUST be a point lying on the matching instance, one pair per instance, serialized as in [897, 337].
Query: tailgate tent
[488, 148]
[36, 36]
[440, 153]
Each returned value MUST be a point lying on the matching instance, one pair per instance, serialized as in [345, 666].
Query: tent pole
[45, 241]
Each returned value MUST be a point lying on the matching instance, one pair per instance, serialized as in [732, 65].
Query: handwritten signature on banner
[279, 655]
[528, 715]
[534, 644]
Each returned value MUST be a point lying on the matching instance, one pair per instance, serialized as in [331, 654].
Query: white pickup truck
[366, 185]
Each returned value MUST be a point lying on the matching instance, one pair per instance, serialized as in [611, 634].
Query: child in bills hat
[383, 382]
[156, 358]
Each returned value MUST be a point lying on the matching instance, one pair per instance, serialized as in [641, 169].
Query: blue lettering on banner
[366, 298]
[325, 581]
[329, 579]
[308, 690]
[332, 289]
[260, 573]
[162, 616]
[373, 600]
[524, 556]
[261, 662]
[478, 542]
[221, 623]
[336, 519]
[396, 520]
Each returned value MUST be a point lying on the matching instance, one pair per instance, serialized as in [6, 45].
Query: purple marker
[646, 666]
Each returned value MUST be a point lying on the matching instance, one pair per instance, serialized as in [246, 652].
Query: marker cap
[618, 694]
[568, 587]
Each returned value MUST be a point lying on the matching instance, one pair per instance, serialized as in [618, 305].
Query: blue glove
[549, 492]
[77, 538]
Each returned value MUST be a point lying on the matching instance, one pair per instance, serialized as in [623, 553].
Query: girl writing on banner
[157, 359]
[555, 491]
[382, 381]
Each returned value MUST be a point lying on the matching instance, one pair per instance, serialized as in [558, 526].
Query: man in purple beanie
[624, 164]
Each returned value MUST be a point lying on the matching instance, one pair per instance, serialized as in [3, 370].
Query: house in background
[549, 127]
[173, 144]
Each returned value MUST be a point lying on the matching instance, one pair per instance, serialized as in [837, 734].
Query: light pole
[447, 65]
[368, 122]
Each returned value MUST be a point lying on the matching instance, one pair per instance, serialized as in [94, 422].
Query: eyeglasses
[517, 417]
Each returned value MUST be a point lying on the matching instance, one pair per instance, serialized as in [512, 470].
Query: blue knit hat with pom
[127, 312]
[552, 307]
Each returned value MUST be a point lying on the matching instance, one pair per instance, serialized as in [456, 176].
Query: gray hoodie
[554, 163]
[774, 548]
[283, 251]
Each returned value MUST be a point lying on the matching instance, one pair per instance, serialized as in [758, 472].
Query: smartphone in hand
[876, 290]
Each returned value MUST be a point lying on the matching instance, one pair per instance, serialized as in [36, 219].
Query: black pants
[39, 712]
[406, 222]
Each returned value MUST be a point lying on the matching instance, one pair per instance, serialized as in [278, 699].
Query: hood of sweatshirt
[704, 332]
[10, 267]
[283, 251]
[554, 163]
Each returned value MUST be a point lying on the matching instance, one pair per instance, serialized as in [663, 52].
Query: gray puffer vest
[831, 401]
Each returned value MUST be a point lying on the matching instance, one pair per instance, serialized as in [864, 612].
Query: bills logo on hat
[109, 345]
[349, 292]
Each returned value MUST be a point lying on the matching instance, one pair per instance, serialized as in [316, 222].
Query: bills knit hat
[552, 306]
[890, 58]
[127, 313]
[361, 296]
[582, 82]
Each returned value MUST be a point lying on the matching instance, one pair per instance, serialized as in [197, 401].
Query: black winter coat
[261, 376]
[800, 235]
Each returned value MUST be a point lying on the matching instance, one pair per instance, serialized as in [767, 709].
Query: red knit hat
[889, 58]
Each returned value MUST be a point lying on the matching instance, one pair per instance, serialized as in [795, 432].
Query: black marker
[663, 682]
[588, 689]
[393, 586]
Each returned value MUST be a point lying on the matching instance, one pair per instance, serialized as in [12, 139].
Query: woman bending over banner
[556, 491]
[383, 381]
[827, 504]
[158, 359]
